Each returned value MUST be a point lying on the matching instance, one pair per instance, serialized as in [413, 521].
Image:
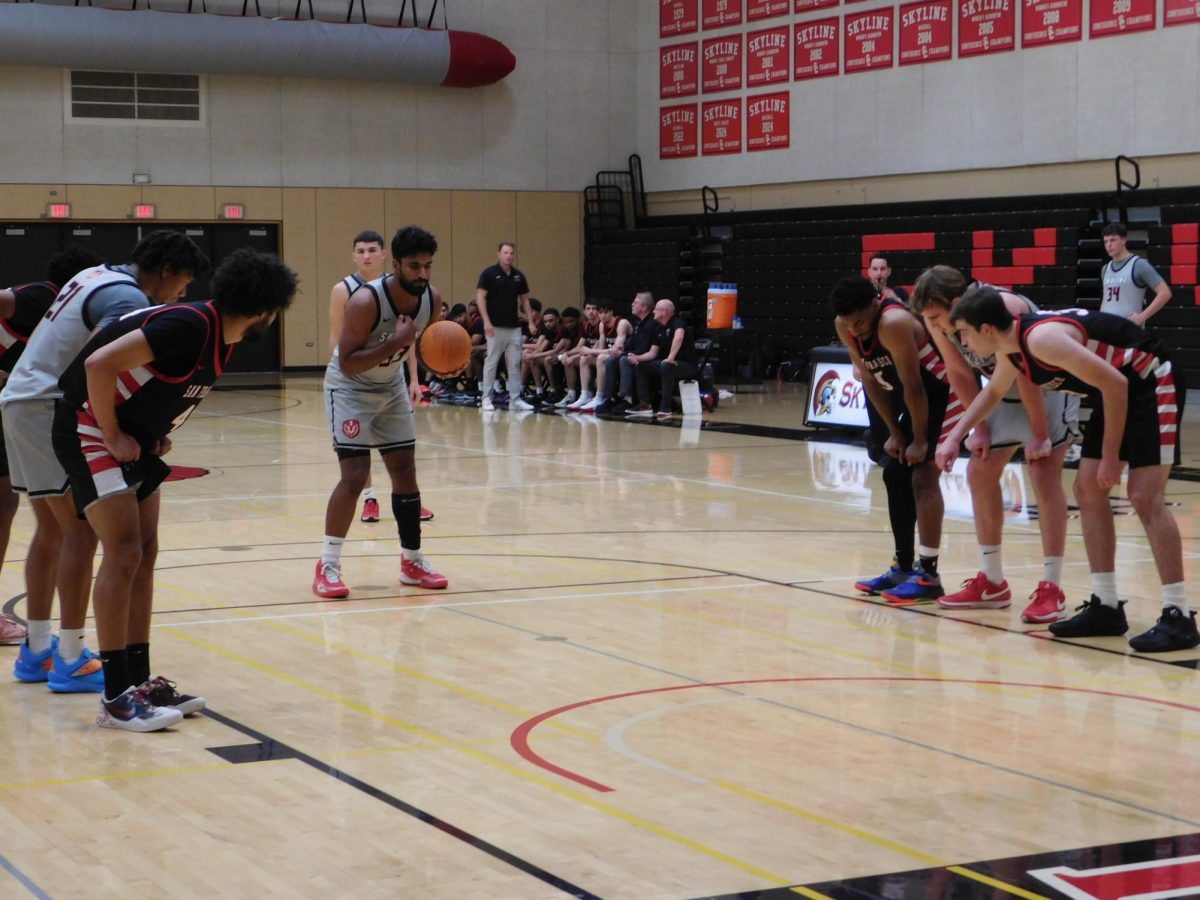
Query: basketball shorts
[1151, 423]
[33, 467]
[92, 471]
[3, 456]
[937, 401]
[1009, 422]
[370, 419]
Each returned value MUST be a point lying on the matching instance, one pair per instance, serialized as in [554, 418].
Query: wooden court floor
[650, 677]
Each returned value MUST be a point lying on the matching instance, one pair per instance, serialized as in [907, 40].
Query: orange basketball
[445, 347]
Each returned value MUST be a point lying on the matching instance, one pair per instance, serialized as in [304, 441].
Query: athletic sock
[70, 643]
[407, 510]
[369, 493]
[39, 633]
[990, 562]
[1052, 569]
[1175, 595]
[1104, 586]
[331, 550]
[929, 560]
[138, 658]
[116, 673]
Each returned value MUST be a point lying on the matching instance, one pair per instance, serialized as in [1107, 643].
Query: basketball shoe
[1093, 619]
[161, 692]
[76, 676]
[11, 631]
[327, 581]
[519, 405]
[1175, 630]
[418, 572]
[888, 580]
[370, 511]
[33, 667]
[1048, 604]
[426, 514]
[978, 593]
[133, 711]
[918, 588]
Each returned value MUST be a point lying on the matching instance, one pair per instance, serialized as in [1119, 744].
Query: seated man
[542, 358]
[674, 361]
[614, 333]
[581, 359]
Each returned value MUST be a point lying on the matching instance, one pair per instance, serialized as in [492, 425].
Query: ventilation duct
[36, 34]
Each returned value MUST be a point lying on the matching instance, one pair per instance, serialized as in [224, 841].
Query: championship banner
[766, 9]
[868, 40]
[925, 32]
[809, 5]
[677, 131]
[678, 17]
[678, 70]
[767, 59]
[1051, 21]
[818, 49]
[1181, 12]
[719, 13]
[721, 69]
[768, 121]
[986, 26]
[1111, 17]
[721, 127]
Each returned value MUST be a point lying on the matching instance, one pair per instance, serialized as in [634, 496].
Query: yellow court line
[992, 882]
[809, 892]
[569, 793]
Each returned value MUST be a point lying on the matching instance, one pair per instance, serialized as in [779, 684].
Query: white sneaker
[517, 403]
[584, 399]
[487, 405]
[566, 401]
[132, 711]
[591, 405]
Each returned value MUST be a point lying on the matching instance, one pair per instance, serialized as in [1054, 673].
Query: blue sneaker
[78, 676]
[888, 580]
[33, 667]
[917, 589]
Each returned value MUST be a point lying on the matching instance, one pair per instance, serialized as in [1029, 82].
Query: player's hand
[1108, 475]
[123, 448]
[1038, 448]
[980, 441]
[947, 453]
[405, 331]
[414, 393]
[633, 360]
[1138, 319]
[669, 362]
[163, 446]
[916, 452]
[894, 447]
[489, 330]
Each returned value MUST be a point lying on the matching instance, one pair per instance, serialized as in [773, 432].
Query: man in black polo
[500, 289]
[672, 358]
[641, 340]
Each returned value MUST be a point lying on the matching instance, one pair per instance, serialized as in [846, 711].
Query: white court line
[615, 736]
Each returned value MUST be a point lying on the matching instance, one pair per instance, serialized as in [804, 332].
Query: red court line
[520, 736]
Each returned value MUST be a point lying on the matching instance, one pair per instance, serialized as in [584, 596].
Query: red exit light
[58, 210]
[144, 211]
[233, 211]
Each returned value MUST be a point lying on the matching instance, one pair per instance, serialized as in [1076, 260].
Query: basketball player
[1028, 416]
[21, 308]
[134, 383]
[370, 408]
[905, 380]
[1136, 408]
[582, 357]
[501, 288]
[63, 546]
[614, 332]
[1126, 278]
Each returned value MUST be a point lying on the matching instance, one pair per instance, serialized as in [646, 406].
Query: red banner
[925, 32]
[678, 70]
[767, 57]
[1111, 17]
[1180, 12]
[869, 39]
[677, 17]
[807, 5]
[766, 9]
[719, 13]
[721, 131]
[768, 121]
[1052, 21]
[986, 26]
[677, 131]
[722, 66]
[818, 50]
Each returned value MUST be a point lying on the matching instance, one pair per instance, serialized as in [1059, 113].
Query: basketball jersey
[352, 283]
[879, 364]
[391, 370]
[64, 330]
[1127, 347]
[986, 365]
[32, 301]
[155, 399]
[1122, 294]
[610, 339]
[591, 333]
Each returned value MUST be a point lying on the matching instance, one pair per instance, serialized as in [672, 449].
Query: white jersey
[84, 303]
[390, 372]
[1125, 285]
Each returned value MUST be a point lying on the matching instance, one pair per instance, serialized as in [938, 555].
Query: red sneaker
[419, 572]
[426, 514]
[327, 582]
[11, 631]
[978, 593]
[1049, 604]
[370, 511]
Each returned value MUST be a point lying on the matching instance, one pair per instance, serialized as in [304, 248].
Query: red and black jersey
[1125, 346]
[611, 331]
[591, 333]
[155, 399]
[33, 299]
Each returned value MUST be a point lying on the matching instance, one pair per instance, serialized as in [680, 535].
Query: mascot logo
[350, 428]
[824, 393]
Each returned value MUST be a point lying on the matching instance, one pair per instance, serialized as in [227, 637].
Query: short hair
[937, 286]
[504, 244]
[605, 305]
[590, 302]
[458, 309]
[535, 304]
[645, 298]
[875, 256]
[551, 311]
[982, 305]
[368, 237]
[69, 262]
[165, 249]
[1117, 228]
[571, 312]
[249, 283]
[411, 240]
[852, 294]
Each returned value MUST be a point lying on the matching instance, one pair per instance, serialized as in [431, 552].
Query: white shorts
[370, 420]
[1009, 422]
[32, 465]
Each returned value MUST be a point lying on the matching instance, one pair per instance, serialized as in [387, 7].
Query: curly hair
[852, 294]
[165, 249]
[412, 240]
[248, 283]
[69, 262]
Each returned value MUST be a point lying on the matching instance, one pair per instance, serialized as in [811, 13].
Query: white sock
[369, 493]
[1104, 586]
[1052, 567]
[70, 643]
[410, 555]
[990, 563]
[571, 395]
[331, 550]
[39, 632]
[1175, 595]
[927, 552]
[585, 397]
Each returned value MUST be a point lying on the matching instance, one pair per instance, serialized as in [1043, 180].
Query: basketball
[445, 348]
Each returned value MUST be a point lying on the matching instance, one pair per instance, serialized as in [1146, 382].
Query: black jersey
[155, 399]
[33, 300]
[879, 364]
[591, 333]
[1127, 347]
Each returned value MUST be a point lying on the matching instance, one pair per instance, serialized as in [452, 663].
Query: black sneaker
[1093, 619]
[161, 692]
[1175, 630]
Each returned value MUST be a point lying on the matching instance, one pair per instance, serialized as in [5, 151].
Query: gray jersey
[91, 299]
[390, 372]
[1125, 285]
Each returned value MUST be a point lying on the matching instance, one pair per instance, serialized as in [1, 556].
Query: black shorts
[878, 432]
[1152, 422]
